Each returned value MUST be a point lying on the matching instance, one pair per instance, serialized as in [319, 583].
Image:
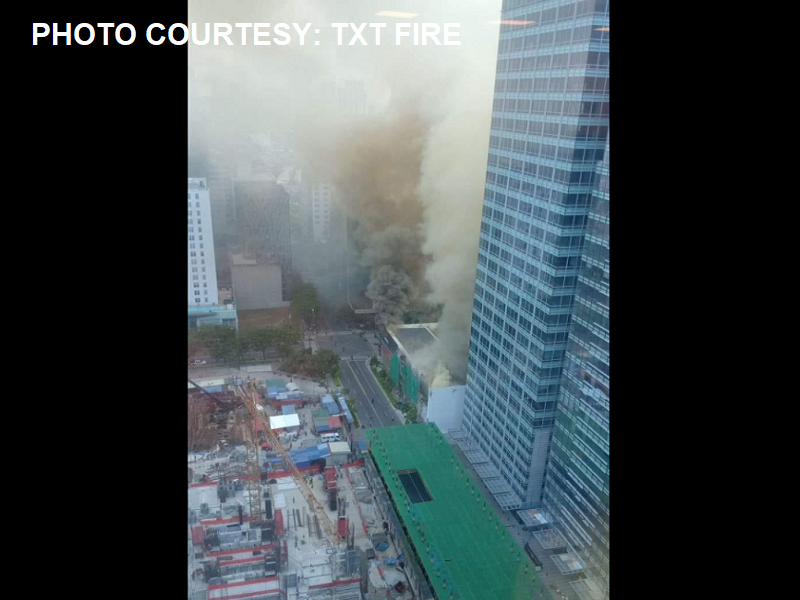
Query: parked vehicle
[199, 362]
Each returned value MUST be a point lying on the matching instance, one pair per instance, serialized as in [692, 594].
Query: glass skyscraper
[576, 491]
[549, 133]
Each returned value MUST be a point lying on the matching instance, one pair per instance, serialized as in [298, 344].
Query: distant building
[321, 211]
[256, 285]
[263, 228]
[202, 273]
[223, 314]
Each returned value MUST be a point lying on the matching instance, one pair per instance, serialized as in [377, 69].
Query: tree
[327, 363]
[262, 339]
[218, 339]
[239, 347]
[286, 337]
[373, 362]
[194, 344]
[305, 303]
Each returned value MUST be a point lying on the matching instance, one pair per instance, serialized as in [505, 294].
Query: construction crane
[251, 443]
[316, 506]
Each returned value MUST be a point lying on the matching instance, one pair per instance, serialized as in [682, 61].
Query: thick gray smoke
[410, 172]
[391, 291]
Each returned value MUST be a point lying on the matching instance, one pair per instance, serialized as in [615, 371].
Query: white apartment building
[321, 211]
[200, 247]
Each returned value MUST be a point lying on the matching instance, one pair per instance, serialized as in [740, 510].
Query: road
[357, 376]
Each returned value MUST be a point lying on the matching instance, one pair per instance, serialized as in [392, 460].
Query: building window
[197, 196]
[197, 299]
[197, 292]
[198, 213]
[198, 205]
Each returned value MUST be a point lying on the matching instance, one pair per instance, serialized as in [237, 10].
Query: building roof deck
[463, 547]
[413, 339]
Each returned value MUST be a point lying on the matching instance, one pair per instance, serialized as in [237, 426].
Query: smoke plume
[410, 172]
[391, 290]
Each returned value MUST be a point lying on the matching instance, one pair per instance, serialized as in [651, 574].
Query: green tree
[194, 344]
[327, 363]
[305, 303]
[286, 337]
[219, 340]
[373, 362]
[262, 339]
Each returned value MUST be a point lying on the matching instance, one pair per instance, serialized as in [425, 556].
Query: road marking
[366, 396]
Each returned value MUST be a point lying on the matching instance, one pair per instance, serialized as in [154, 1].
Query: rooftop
[197, 183]
[414, 338]
[464, 548]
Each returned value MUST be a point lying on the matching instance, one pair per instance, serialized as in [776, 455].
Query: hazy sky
[413, 169]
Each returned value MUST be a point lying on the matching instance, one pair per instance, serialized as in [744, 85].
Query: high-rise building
[549, 130]
[200, 247]
[321, 211]
[576, 491]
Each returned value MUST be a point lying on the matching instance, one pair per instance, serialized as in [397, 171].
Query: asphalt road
[357, 376]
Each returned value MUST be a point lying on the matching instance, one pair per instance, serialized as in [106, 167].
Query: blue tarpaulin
[345, 410]
[288, 410]
[306, 455]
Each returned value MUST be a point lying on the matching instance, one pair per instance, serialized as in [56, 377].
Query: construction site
[288, 512]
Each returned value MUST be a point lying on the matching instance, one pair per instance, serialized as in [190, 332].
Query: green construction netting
[410, 384]
[466, 552]
[394, 369]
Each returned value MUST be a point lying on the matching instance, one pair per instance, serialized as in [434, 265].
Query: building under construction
[452, 542]
[264, 523]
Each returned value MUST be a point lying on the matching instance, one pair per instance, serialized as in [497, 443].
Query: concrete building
[256, 285]
[321, 211]
[549, 130]
[224, 314]
[409, 359]
[201, 266]
[263, 228]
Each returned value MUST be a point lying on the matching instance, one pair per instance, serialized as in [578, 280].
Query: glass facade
[576, 492]
[549, 132]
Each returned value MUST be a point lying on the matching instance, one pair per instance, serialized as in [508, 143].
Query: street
[356, 374]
